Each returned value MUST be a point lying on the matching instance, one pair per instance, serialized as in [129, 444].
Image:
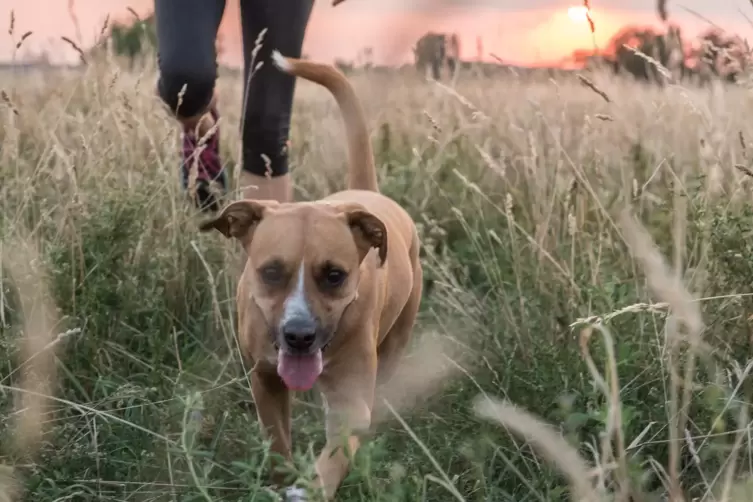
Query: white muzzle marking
[296, 304]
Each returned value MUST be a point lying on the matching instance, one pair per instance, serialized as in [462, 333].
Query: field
[588, 261]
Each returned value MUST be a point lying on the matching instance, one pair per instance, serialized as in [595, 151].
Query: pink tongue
[299, 372]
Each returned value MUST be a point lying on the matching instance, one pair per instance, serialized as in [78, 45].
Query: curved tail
[362, 171]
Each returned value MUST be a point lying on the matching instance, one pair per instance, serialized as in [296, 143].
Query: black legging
[186, 34]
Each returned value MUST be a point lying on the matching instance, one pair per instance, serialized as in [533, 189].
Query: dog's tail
[362, 175]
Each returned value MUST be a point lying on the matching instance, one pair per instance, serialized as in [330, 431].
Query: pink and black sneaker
[209, 170]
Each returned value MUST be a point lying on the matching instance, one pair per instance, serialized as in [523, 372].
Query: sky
[518, 31]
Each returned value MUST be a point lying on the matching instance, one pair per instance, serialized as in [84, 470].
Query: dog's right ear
[237, 219]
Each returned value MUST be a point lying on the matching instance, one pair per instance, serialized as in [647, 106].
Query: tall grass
[548, 216]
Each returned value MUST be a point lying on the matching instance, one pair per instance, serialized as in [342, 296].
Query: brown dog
[329, 293]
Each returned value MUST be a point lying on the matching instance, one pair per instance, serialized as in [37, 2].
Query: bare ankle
[201, 124]
[204, 121]
[253, 186]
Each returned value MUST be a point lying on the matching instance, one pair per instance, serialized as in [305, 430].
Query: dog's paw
[295, 494]
[280, 61]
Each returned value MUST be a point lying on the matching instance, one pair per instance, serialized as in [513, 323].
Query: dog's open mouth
[299, 371]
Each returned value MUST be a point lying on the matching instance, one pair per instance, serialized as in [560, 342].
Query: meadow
[588, 261]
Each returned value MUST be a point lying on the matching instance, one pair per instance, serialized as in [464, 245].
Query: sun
[578, 14]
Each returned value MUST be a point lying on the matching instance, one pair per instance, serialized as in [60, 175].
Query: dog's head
[305, 262]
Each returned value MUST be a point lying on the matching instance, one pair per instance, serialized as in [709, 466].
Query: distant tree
[138, 40]
[134, 41]
[436, 50]
[722, 54]
[627, 50]
[583, 58]
[626, 60]
[344, 66]
[365, 57]
[429, 52]
[717, 53]
[453, 53]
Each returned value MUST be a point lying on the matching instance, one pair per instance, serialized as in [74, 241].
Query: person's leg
[268, 96]
[187, 60]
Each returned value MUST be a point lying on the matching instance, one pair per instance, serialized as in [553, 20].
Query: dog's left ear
[368, 231]
[237, 220]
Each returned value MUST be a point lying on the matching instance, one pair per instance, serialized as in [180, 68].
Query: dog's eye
[334, 277]
[272, 274]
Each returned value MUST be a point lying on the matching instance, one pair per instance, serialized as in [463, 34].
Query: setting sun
[578, 14]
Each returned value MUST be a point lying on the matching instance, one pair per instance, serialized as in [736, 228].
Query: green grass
[517, 189]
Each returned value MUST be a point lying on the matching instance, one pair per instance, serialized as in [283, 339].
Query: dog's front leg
[272, 400]
[349, 398]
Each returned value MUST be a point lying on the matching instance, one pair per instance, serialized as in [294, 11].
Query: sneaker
[209, 169]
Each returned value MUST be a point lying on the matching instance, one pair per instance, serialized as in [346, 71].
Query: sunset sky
[519, 31]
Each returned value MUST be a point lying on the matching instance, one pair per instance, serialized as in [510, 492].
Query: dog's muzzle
[302, 336]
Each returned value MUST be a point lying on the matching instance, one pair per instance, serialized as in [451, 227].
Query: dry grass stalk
[435, 362]
[743, 144]
[37, 359]
[74, 19]
[661, 8]
[588, 83]
[591, 24]
[668, 287]
[653, 308]
[6, 100]
[544, 438]
[662, 282]
[729, 473]
[23, 39]
[105, 25]
[745, 170]
[10, 488]
[75, 47]
[134, 13]
[653, 62]
[611, 390]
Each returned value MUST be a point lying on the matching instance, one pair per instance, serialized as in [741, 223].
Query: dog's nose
[299, 334]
